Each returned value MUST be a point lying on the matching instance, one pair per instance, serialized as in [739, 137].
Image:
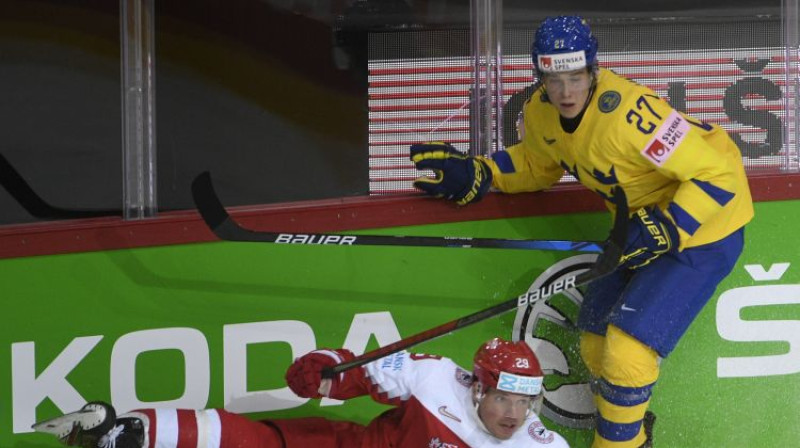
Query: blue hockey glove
[650, 234]
[460, 178]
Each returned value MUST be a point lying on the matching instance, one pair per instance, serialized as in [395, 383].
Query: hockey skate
[649, 422]
[95, 425]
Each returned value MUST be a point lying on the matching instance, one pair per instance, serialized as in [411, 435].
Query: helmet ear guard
[478, 392]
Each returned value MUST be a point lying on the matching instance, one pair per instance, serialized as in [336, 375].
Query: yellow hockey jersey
[630, 137]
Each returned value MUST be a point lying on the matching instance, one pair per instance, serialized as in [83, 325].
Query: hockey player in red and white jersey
[437, 405]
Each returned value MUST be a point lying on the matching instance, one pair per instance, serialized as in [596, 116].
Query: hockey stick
[19, 189]
[225, 228]
[605, 264]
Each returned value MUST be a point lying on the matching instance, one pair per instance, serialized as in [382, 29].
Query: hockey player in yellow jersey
[685, 184]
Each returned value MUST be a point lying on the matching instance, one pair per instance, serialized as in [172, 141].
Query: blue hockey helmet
[563, 44]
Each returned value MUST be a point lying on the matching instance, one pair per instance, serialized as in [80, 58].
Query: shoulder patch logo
[539, 433]
[609, 101]
[463, 377]
[667, 138]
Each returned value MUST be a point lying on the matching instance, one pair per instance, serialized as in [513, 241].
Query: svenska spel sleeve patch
[667, 138]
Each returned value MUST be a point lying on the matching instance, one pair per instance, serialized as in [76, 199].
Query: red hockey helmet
[508, 366]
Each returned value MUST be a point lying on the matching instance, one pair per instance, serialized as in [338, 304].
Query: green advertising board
[216, 325]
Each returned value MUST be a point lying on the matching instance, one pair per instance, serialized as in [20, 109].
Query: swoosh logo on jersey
[443, 410]
[549, 141]
[627, 308]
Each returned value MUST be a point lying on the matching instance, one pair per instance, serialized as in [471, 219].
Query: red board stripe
[461, 68]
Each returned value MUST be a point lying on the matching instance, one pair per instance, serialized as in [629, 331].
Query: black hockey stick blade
[226, 228]
[606, 263]
[37, 207]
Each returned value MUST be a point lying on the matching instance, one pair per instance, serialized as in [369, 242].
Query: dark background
[270, 96]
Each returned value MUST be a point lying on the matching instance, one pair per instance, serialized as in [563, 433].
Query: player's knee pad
[592, 346]
[628, 362]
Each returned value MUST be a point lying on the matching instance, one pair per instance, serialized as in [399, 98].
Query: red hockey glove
[650, 234]
[305, 374]
[458, 177]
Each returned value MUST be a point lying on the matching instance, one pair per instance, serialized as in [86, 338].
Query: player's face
[568, 91]
[503, 412]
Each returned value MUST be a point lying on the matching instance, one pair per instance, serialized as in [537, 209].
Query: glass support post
[137, 39]
[789, 13]
[486, 98]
